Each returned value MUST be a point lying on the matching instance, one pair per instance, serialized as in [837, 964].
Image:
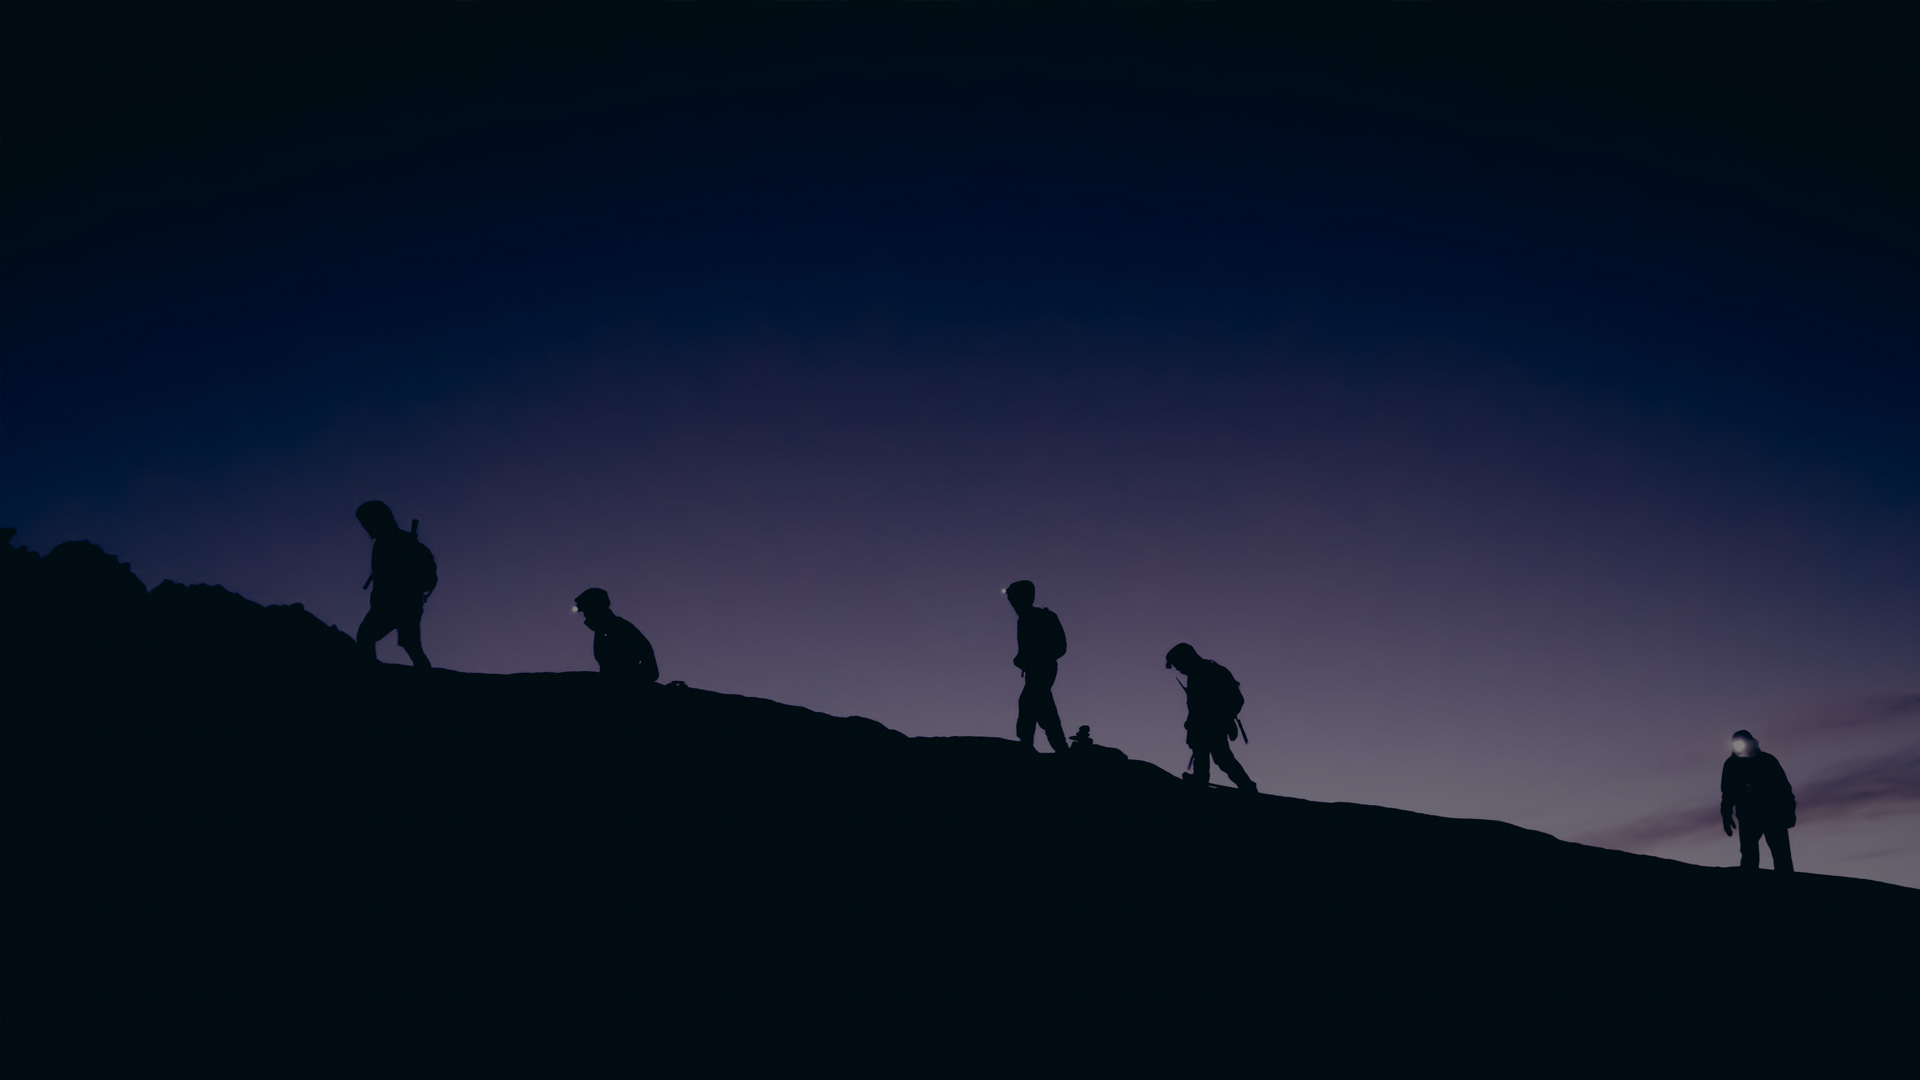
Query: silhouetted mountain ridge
[78, 601]
[256, 853]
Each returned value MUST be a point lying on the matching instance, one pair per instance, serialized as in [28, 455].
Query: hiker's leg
[1749, 844]
[1023, 727]
[1039, 693]
[409, 627]
[1201, 769]
[372, 628]
[1223, 753]
[1782, 851]
[1056, 738]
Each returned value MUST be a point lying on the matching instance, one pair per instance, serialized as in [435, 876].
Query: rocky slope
[243, 851]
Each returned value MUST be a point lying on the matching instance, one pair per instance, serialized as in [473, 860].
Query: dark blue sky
[1518, 402]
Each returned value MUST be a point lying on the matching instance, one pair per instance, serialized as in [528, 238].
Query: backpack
[1053, 643]
[417, 570]
[1238, 700]
[1232, 700]
[417, 567]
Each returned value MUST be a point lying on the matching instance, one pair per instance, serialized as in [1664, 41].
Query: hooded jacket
[1757, 787]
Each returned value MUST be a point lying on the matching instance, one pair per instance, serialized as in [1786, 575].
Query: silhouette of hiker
[1213, 714]
[1042, 642]
[1753, 784]
[618, 645]
[403, 575]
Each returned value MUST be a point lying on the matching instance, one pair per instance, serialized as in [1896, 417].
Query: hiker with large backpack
[403, 575]
[1213, 715]
[1042, 642]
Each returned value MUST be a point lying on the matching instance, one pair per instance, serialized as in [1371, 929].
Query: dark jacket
[621, 649]
[1758, 788]
[1041, 639]
[1213, 699]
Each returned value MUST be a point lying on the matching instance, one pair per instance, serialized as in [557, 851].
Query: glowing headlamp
[1741, 746]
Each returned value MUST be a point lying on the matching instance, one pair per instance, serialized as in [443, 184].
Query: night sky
[1518, 402]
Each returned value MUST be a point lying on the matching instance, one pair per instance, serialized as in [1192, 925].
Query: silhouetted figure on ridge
[1213, 715]
[1753, 784]
[1042, 642]
[403, 574]
[618, 645]
[1082, 739]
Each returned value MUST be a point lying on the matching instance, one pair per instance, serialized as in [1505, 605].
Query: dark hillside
[245, 852]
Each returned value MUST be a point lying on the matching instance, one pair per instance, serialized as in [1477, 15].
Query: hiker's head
[1744, 744]
[376, 517]
[1182, 657]
[593, 603]
[1020, 595]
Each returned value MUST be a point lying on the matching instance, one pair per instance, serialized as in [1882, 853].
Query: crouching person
[618, 646]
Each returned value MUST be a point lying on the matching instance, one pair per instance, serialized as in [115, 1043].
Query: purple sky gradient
[1509, 481]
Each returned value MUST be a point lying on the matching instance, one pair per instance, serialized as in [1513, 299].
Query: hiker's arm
[1726, 796]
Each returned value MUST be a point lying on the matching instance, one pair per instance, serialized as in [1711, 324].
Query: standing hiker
[618, 646]
[1753, 783]
[403, 575]
[1213, 715]
[1042, 642]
